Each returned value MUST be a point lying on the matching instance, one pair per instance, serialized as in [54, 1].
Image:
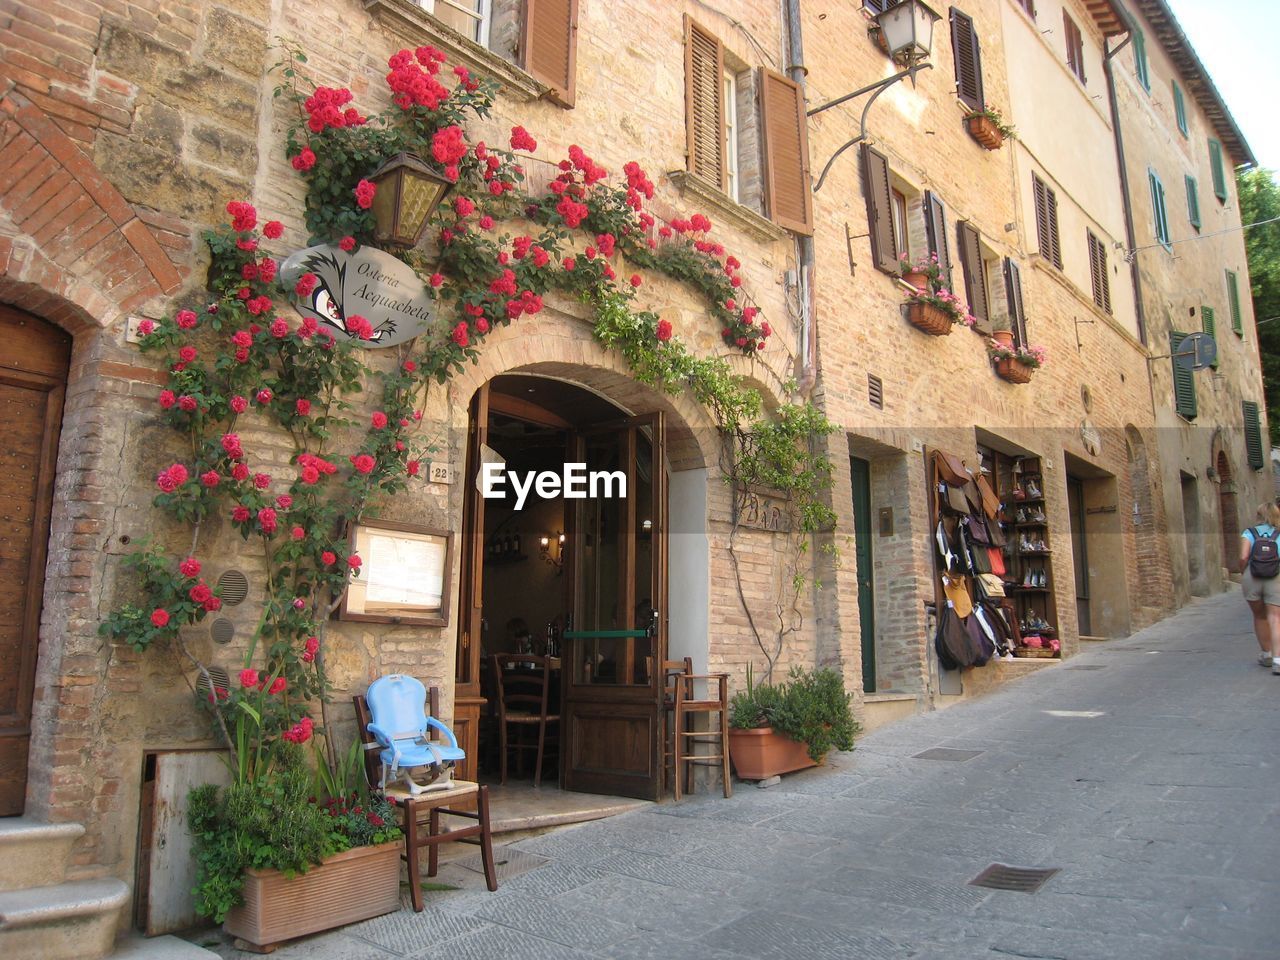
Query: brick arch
[80, 256]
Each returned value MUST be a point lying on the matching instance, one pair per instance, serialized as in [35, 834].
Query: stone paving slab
[1156, 794]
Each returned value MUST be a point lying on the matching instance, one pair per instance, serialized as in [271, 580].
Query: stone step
[75, 920]
[138, 947]
[34, 854]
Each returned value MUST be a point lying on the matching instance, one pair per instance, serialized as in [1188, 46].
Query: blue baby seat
[397, 705]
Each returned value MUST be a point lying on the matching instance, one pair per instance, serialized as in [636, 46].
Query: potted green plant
[924, 273]
[935, 311]
[987, 126]
[776, 729]
[1015, 363]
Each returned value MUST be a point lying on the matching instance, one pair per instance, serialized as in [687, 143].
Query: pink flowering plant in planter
[946, 301]
[1033, 357]
[927, 267]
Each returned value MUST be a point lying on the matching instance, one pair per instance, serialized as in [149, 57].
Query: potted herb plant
[781, 728]
[935, 311]
[987, 126]
[923, 274]
[1015, 363]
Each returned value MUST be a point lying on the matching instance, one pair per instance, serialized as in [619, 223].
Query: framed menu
[405, 576]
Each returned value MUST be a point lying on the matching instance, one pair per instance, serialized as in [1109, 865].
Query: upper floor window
[1046, 202]
[1218, 171]
[1099, 277]
[1233, 301]
[904, 222]
[968, 60]
[1075, 46]
[1160, 215]
[1193, 202]
[1140, 66]
[746, 132]
[1029, 6]
[1179, 107]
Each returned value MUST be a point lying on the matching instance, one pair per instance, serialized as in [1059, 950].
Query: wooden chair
[685, 739]
[427, 807]
[522, 683]
[670, 670]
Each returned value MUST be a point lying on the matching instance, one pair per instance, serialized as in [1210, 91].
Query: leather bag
[990, 502]
[951, 470]
[996, 556]
[951, 642]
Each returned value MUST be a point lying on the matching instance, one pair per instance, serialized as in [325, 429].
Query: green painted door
[861, 472]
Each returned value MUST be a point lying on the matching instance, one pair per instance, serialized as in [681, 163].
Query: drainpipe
[804, 245]
[1130, 237]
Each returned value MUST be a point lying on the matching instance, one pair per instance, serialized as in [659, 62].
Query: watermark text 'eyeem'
[574, 482]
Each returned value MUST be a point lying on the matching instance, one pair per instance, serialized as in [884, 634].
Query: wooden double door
[33, 374]
[615, 585]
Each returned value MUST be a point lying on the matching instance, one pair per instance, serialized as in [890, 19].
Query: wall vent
[233, 587]
[222, 630]
[220, 679]
[875, 391]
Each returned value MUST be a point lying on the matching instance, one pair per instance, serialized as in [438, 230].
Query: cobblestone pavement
[1145, 769]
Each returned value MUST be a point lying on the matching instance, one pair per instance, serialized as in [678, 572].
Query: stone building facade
[128, 125]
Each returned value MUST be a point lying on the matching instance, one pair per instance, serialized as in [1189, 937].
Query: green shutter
[1209, 324]
[1184, 382]
[1219, 175]
[1253, 434]
[1233, 299]
[1193, 202]
[1179, 107]
[1160, 216]
[1140, 60]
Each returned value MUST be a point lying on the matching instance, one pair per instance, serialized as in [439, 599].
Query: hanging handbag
[951, 469]
[954, 500]
[977, 529]
[981, 561]
[957, 593]
[996, 556]
[951, 642]
[990, 502]
[991, 585]
[982, 644]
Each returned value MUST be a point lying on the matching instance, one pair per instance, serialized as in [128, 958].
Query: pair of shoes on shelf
[1033, 492]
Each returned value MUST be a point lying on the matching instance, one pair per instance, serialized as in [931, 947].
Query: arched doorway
[33, 376]
[542, 566]
[1229, 513]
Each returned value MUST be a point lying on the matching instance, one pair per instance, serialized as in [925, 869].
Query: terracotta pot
[1015, 371]
[760, 753]
[930, 319]
[1004, 337]
[918, 280]
[355, 885]
[985, 131]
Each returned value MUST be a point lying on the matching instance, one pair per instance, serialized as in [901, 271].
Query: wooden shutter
[1184, 382]
[1046, 202]
[1193, 202]
[1075, 46]
[875, 186]
[935, 224]
[1209, 323]
[1179, 107]
[788, 194]
[1233, 300]
[1219, 175]
[1253, 434]
[704, 104]
[1013, 292]
[975, 272]
[1140, 60]
[968, 60]
[1098, 272]
[1158, 212]
[550, 46]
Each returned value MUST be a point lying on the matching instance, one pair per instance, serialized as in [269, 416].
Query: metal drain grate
[1088, 666]
[507, 863]
[947, 753]
[1001, 876]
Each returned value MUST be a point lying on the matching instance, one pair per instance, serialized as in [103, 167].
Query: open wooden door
[33, 375]
[611, 718]
[468, 701]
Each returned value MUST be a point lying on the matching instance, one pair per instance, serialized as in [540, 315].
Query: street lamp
[907, 28]
[408, 193]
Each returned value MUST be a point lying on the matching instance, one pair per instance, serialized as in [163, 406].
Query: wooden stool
[685, 741]
[433, 804]
[670, 670]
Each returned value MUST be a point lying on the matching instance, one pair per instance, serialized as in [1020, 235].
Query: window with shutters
[1160, 215]
[876, 6]
[1179, 107]
[1193, 202]
[1075, 46]
[1184, 382]
[1209, 324]
[1029, 6]
[1046, 207]
[901, 239]
[1140, 67]
[471, 18]
[968, 60]
[1013, 302]
[977, 264]
[878, 191]
[934, 213]
[1098, 273]
[731, 130]
[1233, 301]
[1253, 434]
[1219, 174]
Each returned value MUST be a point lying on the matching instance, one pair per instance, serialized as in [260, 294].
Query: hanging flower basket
[929, 319]
[1015, 371]
[983, 129]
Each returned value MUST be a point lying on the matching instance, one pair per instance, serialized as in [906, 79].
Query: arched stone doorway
[1228, 513]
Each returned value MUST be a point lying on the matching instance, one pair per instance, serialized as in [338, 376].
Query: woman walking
[1263, 593]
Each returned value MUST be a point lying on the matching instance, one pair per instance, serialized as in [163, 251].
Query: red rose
[310, 475]
[521, 140]
[379, 420]
[273, 230]
[459, 335]
[186, 319]
[305, 160]
[244, 216]
[231, 444]
[240, 514]
[248, 678]
[267, 520]
[284, 501]
[261, 481]
[278, 684]
[364, 191]
[347, 243]
[167, 399]
[172, 478]
[146, 328]
[437, 280]
[279, 328]
[635, 280]
[188, 404]
[263, 396]
[328, 558]
[410, 366]
[187, 354]
[189, 567]
[360, 326]
[297, 533]
[210, 478]
[200, 593]
[664, 330]
[354, 561]
[412, 467]
[159, 617]
[363, 462]
[240, 472]
[569, 264]
[302, 407]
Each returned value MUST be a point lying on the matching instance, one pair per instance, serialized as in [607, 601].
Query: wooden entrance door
[1079, 553]
[612, 704]
[860, 471]
[33, 375]
[468, 702]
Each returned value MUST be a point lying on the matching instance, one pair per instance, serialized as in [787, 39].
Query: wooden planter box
[929, 319]
[361, 883]
[985, 131]
[760, 753]
[1015, 371]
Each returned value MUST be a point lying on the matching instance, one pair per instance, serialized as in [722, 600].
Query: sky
[1236, 42]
